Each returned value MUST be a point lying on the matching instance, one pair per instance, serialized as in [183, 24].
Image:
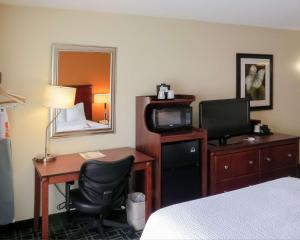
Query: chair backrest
[105, 183]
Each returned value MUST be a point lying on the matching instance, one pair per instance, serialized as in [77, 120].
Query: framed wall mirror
[92, 71]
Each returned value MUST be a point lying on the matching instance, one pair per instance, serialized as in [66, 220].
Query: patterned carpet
[61, 228]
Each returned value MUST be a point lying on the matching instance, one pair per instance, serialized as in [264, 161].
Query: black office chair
[102, 187]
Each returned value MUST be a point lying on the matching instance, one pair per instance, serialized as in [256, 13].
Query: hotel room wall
[86, 68]
[194, 57]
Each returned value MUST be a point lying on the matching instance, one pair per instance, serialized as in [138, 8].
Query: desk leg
[37, 200]
[148, 189]
[45, 199]
[67, 198]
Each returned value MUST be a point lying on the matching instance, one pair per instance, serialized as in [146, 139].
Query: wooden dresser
[247, 163]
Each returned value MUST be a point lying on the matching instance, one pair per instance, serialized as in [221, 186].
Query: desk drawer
[279, 157]
[237, 164]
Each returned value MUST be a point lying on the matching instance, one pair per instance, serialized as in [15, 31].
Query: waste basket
[135, 210]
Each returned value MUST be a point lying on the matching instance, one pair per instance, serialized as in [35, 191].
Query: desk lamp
[60, 98]
[102, 98]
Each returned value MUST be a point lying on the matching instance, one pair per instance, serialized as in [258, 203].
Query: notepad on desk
[92, 155]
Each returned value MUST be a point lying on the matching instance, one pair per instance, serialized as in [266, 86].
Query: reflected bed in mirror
[91, 70]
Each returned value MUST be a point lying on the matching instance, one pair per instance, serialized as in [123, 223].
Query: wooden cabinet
[151, 143]
[247, 163]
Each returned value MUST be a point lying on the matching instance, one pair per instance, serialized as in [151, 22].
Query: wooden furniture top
[260, 141]
[179, 99]
[71, 163]
[176, 136]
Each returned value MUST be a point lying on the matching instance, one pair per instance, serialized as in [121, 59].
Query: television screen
[225, 117]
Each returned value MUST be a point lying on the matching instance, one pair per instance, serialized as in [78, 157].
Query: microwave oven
[160, 119]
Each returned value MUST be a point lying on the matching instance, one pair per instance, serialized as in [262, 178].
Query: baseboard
[25, 223]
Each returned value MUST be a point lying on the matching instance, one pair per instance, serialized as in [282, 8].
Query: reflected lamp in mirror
[56, 97]
[102, 98]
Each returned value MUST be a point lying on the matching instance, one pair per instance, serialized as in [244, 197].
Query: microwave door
[169, 118]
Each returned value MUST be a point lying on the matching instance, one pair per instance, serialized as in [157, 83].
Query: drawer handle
[290, 155]
[269, 159]
[226, 167]
[251, 162]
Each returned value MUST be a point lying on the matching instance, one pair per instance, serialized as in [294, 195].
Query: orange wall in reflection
[79, 68]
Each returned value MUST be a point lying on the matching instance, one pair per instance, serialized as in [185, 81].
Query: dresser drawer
[279, 157]
[237, 164]
[236, 183]
[286, 172]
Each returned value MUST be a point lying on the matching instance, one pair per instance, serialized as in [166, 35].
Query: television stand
[234, 166]
[223, 140]
[226, 140]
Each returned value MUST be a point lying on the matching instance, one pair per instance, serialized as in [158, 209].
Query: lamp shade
[101, 98]
[59, 97]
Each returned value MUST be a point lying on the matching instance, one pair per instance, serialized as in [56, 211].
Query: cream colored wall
[194, 57]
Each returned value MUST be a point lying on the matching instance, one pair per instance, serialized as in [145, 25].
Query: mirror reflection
[91, 71]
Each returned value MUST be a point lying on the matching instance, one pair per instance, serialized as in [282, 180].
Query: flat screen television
[225, 118]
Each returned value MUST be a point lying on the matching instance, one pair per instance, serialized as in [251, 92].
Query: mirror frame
[56, 48]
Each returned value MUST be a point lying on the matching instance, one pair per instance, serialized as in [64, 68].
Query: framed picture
[254, 79]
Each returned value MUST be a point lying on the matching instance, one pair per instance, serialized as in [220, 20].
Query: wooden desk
[66, 168]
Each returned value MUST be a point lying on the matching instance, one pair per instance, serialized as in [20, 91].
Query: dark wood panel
[179, 99]
[278, 157]
[195, 133]
[237, 164]
[260, 142]
[233, 184]
[286, 172]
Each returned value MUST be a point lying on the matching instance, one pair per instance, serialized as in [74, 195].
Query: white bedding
[78, 125]
[269, 210]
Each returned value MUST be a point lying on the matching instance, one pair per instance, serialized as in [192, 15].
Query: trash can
[135, 210]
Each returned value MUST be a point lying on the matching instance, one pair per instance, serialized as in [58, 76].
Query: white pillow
[76, 113]
[62, 116]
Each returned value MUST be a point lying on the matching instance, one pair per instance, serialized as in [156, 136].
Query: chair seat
[82, 204]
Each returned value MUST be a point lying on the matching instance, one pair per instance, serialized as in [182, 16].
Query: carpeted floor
[61, 228]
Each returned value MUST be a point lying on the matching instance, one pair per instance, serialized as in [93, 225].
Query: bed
[269, 210]
[84, 95]
[79, 126]
[79, 117]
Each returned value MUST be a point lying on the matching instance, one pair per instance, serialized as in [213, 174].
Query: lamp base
[45, 159]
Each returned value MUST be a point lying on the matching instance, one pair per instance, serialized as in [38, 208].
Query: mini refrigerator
[180, 172]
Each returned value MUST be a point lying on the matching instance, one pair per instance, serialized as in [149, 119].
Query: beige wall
[194, 57]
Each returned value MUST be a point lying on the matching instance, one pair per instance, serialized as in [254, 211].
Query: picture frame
[254, 79]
